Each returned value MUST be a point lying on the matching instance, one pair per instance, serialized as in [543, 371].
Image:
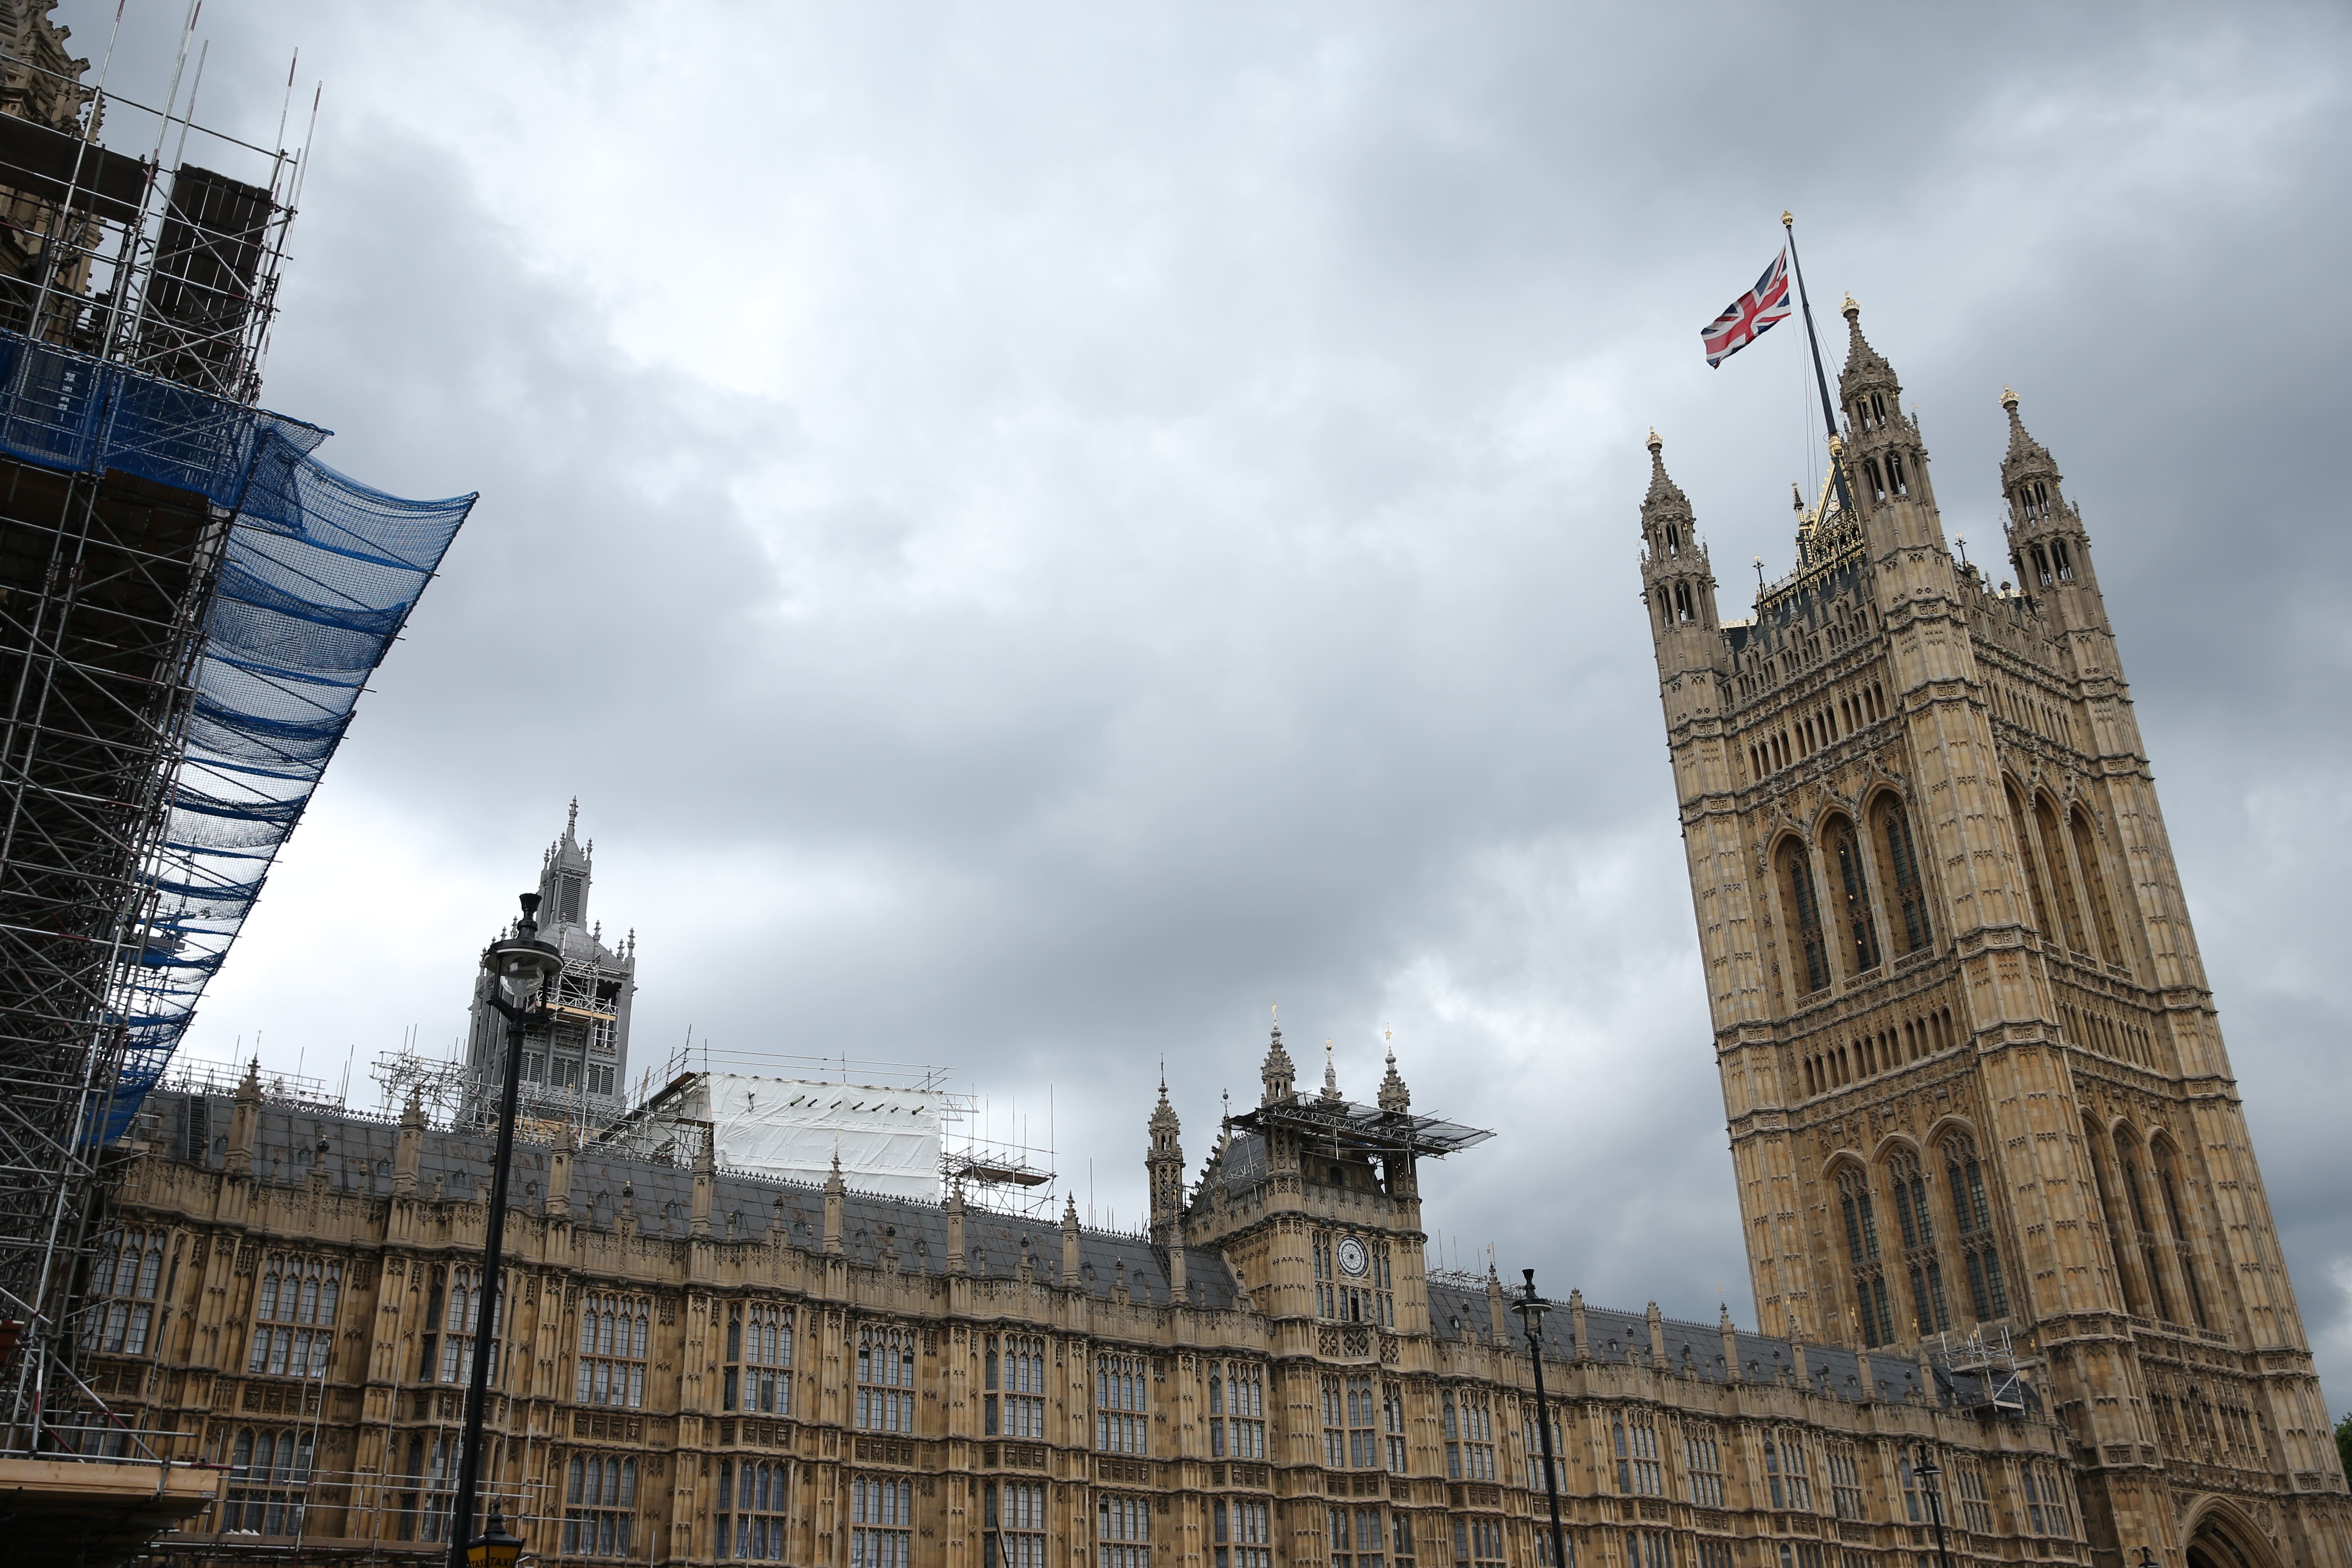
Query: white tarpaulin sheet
[887, 1139]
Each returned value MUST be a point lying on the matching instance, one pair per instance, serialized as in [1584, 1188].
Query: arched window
[2094, 882]
[2126, 1274]
[2168, 1183]
[1987, 1289]
[2066, 563]
[1870, 473]
[1898, 872]
[1876, 1320]
[1797, 892]
[1683, 611]
[1849, 886]
[2061, 880]
[2028, 861]
[2151, 1255]
[1878, 409]
[1911, 1213]
[2040, 567]
[1895, 480]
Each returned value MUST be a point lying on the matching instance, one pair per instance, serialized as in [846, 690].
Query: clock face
[1352, 1257]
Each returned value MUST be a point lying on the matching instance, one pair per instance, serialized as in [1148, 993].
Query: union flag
[1750, 316]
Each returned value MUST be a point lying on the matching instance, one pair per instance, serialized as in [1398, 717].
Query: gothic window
[1877, 1320]
[2062, 881]
[1898, 870]
[2048, 1509]
[1929, 1309]
[1639, 1473]
[1846, 860]
[1469, 1437]
[2064, 562]
[127, 1268]
[1350, 1419]
[754, 1507]
[1392, 1426]
[294, 1318]
[1123, 1528]
[1478, 1542]
[1013, 1515]
[599, 1505]
[1785, 1475]
[2168, 1183]
[2027, 859]
[2087, 856]
[2151, 1250]
[1014, 1401]
[1236, 1410]
[1358, 1537]
[612, 1362]
[1845, 1484]
[1121, 1386]
[886, 1379]
[1895, 480]
[1878, 409]
[268, 1478]
[882, 1522]
[1702, 1464]
[425, 1504]
[2126, 1276]
[1244, 1534]
[1534, 1437]
[1981, 1255]
[2041, 565]
[1914, 1504]
[453, 1313]
[1870, 473]
[1683, 611]
[1797, 892]
[759, 1361]
[1976, 1511]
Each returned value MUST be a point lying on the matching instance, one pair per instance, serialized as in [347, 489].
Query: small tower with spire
[1164, 1166]
[2047, 544]
[1278, 1074]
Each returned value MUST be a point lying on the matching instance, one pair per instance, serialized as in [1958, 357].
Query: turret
[2047, 544]
[1886, 461]
[1676, 580]
[1394, 1097]
[1279, 1076]
[1164, 1166]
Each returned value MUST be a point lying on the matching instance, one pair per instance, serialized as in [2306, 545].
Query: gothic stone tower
[1973, 1073]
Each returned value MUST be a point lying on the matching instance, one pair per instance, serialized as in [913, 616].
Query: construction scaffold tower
[190, 605]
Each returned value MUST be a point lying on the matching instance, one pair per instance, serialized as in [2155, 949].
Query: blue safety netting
[318, 575]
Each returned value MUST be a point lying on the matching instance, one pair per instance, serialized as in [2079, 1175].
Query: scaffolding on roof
[1345, 1126]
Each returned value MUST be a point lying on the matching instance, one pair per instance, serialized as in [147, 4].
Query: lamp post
[1531, 1309]
[1928, 1471]
[2146, 1559]
[523, 965]
[494, 1548]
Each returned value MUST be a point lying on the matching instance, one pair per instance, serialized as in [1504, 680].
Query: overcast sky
[1035, 533]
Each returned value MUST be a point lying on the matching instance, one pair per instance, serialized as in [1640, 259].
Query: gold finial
[2007, 398]
[1837, 445]
[1850, 309]
[1653, 443]
[1787, 217]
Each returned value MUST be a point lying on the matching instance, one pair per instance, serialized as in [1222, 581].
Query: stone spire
[1280, 1075]
[1394, 1097]
[1867, 370]
[834, 1192]
[1330, 1077]
[1677, 580]
[2026, 458]
[1164, 1169]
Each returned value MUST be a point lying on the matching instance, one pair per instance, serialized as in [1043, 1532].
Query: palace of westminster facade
[1977, 1098]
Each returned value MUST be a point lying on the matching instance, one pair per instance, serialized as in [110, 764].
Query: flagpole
[1821, 379]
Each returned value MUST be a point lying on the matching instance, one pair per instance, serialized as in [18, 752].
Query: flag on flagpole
[1750, 316]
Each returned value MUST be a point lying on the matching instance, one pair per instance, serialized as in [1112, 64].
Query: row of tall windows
[886, 1379]
[881, 1522]
[1236, 1410]
[1469, 1437]
[294, 1317]
[124, 1275]
[1243, 1534]
[453, 1312]
[611, 1370]
[1922, 1256]
[754, 1507]
[1368, 1537]
[1885, 1046]
[599, 1505]
[268, 1480]
[1835, 716]
[1122, 1408]
[1351, 1438]
[2058, 856]
[1012, 1524]
[1889, 862]
[1639, 1474]
[759, 1361]
[2140, 1194]
[1122, 1531]
[1013, 1379]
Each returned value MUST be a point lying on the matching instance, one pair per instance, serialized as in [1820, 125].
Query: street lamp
[1928, 1471]
[494, 1548]
[523, 965]
[1531, 1309]
[2146, 1559]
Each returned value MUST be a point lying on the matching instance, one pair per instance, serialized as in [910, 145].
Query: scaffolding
[1986, 1373]
[190, 605]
